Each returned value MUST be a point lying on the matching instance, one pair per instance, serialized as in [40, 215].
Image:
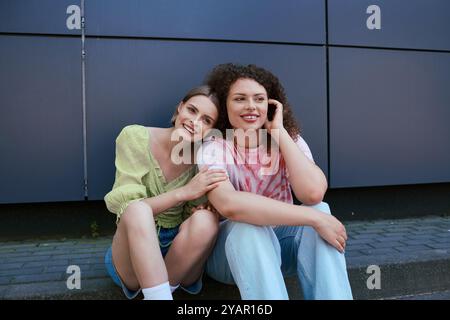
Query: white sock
[173, 288]
[159, 292]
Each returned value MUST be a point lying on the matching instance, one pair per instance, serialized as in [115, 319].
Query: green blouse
[139, 176]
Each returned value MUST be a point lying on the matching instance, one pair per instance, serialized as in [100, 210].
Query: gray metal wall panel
[41, 120]
[389, 114]
[263, 20]
[141, 81]
[36, 16]
[416, 24]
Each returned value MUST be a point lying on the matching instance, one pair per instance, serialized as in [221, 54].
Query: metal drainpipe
[83, 88]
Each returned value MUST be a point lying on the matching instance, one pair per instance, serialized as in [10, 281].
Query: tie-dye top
[251, 170]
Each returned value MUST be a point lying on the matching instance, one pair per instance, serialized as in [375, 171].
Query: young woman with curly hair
[264, 236]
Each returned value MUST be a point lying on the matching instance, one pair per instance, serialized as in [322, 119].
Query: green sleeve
[132, 164]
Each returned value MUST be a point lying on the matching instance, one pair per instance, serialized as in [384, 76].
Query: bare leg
[191, 247]
[135, 249]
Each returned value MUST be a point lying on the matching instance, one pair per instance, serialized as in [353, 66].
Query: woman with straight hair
[159, 244]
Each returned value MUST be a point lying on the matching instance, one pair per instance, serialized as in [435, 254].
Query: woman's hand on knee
[331, 230]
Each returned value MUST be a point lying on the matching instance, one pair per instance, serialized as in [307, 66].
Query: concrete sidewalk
[413, 256]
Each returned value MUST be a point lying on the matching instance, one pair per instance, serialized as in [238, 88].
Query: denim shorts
[166, 237]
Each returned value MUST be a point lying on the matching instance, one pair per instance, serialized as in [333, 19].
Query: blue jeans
[257, 258]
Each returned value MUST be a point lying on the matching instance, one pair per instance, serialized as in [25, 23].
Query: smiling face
[196, 117]
[247, 104]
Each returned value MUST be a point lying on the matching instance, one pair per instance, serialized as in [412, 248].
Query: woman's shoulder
[134, 136]
[132, 150]
[134, 130]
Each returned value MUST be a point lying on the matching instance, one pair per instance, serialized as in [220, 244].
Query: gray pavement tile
[367, 236]
[96, 260]
[17, 246]
[359, 247]
[428, 228]
[15, 254]
[95, 250]
[396, 234]
[371, 231]
[5, 280]
[439, 295]
[412, 248]
[443, 234]
[58, 243]
[430, 222]
[52, 247]
[104, 241]
[420, 236]
[6, 251]
[94, 243]
[415, 242]
[37, 278]
[52, 252]
[390, 239]
[22, 271]
[399, 230]
[351, 234]
[353, 253]
[439, 245]
[387, 244]
[79, 256]
[421, 232]
[98, 266]
[101, 288]
[63, 268]
[405, 222]
[25, 249]
[380, 251]
[9, 266]
[98, 273]
[354, 229]
[30, 258]
[360, 241]
[373, 234]
[56, 269]
[62, 262]
[441, 240]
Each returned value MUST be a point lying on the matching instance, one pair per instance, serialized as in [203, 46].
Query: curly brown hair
[223, 76]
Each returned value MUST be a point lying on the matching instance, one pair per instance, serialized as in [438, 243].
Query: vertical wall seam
[327, 72]
[83, 89]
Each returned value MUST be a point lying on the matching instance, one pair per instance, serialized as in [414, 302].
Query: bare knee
[202, 226]
[138, 219]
